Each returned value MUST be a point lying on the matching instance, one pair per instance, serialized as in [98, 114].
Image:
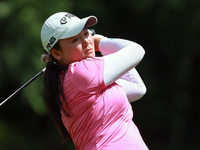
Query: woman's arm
[130, 81]
[132, 84]
[120, 57]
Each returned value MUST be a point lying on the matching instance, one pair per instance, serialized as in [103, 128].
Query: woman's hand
[96, 43]
[97, 39]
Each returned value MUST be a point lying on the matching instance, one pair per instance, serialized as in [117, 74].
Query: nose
[85, 41]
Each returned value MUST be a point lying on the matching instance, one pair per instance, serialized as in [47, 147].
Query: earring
[58, 58]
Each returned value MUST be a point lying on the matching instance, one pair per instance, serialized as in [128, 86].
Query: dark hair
[53, 93]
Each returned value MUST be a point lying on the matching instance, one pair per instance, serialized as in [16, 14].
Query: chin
[90, 56]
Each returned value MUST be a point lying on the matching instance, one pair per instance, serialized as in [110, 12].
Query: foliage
[169, 31]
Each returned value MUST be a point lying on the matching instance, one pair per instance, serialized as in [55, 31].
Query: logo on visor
[51, 42]
[64, 19]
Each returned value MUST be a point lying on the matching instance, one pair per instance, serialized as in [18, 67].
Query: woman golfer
[89, 97]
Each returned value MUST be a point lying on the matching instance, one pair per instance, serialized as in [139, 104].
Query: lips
[89, 50]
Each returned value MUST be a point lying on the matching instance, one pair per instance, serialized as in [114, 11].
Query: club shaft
[23, 86]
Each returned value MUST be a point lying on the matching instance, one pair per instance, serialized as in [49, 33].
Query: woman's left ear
[55, 53]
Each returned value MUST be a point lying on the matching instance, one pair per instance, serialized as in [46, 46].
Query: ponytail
[53, 92]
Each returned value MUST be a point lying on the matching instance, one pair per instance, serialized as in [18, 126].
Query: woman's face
[76, 48]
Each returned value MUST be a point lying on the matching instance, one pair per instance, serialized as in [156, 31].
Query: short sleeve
[88, 75]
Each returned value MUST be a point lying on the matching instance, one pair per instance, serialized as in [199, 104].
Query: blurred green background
[169, 30]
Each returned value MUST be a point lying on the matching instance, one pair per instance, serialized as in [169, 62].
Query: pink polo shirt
[102, 115]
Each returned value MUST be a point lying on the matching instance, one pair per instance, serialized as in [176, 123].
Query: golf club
[23, 86]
